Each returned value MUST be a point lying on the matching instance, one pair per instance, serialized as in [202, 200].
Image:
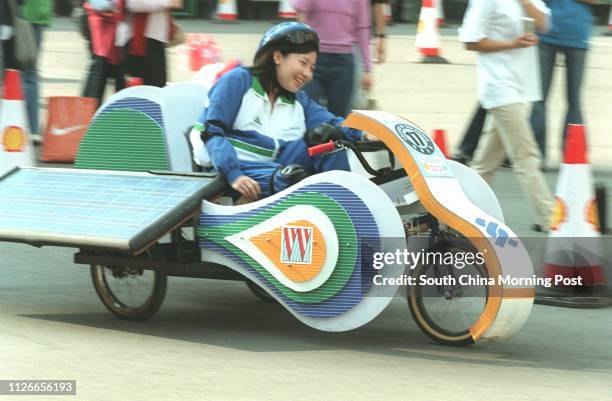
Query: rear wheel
[129, 293]
[445, 300]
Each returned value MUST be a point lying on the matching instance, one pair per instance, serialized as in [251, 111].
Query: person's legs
[154, 67]
[489, 154]
[262, 173]
[357, 101]
[95, 83]
[574, 67]
[469, 143]
[29, 80]
[339, 90]
[538, 113]
[314, 88]
[116, 71]
[517, 137]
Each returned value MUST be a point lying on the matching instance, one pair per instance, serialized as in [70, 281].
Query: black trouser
[8, 53]
[151, 67]
[469, 143]
[100, 70]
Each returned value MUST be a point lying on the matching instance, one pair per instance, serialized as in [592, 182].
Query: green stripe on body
[347, 244]
[251, 148]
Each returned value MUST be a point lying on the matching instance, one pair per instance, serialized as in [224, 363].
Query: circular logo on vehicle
[417, 139]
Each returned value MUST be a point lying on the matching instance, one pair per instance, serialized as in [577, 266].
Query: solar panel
[99, 209]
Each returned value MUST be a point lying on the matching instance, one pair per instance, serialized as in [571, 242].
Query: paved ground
[216, 341]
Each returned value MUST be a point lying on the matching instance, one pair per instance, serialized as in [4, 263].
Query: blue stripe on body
[355, 288]
[142, 105]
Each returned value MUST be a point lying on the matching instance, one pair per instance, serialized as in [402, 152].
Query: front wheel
[129, 293]
[446, 300]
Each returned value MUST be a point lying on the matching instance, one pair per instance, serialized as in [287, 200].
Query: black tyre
[260, 292]
[445, 312]
[129, 293]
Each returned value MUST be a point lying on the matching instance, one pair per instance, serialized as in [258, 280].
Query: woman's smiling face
[294, 70]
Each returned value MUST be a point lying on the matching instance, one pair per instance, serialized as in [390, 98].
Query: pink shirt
[340, 24]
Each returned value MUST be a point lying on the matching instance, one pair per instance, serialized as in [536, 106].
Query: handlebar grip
[323, 148]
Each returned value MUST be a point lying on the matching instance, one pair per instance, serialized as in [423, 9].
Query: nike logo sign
[63, 131]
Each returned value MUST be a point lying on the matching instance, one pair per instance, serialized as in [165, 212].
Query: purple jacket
[340, 24]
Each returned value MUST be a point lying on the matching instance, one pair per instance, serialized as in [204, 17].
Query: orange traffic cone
[226, 10]
[573, 259]
[16, 149]
[439, 138]
[286, 10]
[428, 38]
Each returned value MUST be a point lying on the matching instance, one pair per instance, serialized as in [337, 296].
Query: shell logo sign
[592, 214]
[559, 215]
[13, 139]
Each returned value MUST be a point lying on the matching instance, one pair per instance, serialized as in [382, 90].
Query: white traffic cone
[609, 31]
[286, 10]
[428, 38]
[439, 12]
[388, 15]
[573, 259]
[16, 148]
[226, 10]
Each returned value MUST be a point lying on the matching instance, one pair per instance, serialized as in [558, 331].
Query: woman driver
[254, 125]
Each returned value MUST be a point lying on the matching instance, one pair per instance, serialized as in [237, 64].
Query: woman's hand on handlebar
[248, 187]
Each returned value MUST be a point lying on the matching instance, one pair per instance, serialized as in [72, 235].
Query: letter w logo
[296, 245]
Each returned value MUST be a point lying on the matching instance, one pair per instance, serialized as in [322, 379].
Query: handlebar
[322, 148]
[357, 148]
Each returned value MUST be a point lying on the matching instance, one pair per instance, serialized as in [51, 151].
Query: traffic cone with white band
[286, 10]
[226, 10]
[16, 149]
[439, 12]
[428, 38]
[609, 31]
[388, 15]
[574, 257]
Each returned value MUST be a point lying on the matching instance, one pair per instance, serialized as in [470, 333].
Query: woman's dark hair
[264, 67]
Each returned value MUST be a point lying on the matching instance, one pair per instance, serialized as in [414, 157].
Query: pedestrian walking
[148, 28]
[39, 13]
[507, 81]
[6, 32]
[103, 18]
[569, 35]
[465, 151]
[340, 24]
